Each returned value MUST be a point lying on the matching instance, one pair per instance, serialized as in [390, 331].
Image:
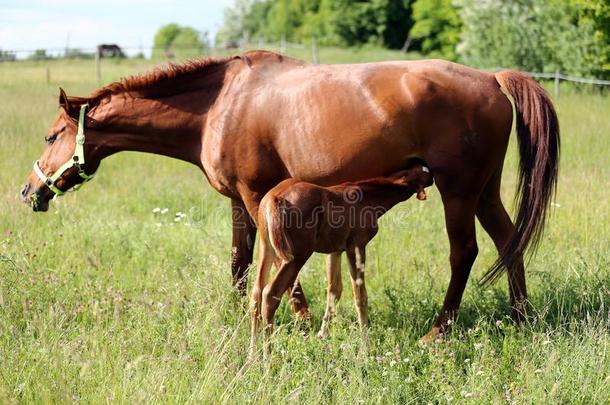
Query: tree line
[571, 36]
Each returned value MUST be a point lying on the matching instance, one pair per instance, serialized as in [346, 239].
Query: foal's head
[418, 176]
[60, 149]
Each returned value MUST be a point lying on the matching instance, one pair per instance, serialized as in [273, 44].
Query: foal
[297, 218]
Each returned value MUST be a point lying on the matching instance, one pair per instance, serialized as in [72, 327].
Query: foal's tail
[538, 139]
[274, 215]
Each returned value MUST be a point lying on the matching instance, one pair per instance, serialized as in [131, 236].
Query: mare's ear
[71, 105]
[63, 100]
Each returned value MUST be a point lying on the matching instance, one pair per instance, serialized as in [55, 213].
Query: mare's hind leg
[497, 223]
[459, 220]
[333, 292]
[356, 258]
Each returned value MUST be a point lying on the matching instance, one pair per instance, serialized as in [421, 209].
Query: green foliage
[188, 43]
[437, 26]
[535, 35]
[39, 54]
[181, 42]
[332, 22]
[165, 36]
[595, 16]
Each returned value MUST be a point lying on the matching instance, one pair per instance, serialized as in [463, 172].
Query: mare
[250, 121]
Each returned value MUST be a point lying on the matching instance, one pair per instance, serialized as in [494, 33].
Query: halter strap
[78, 159]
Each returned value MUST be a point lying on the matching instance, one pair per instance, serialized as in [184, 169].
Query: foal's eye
[49, 139]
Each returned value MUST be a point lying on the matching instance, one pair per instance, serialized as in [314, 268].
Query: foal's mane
[160, 80]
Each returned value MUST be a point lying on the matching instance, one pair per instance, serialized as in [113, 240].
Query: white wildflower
[164, 210]
[157, 210]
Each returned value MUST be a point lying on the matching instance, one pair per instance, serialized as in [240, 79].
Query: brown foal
[297, 218]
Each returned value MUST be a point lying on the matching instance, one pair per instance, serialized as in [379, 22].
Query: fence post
[98, 66]
[314, 51]
[556, 83]
[283, 44]
[48, 76]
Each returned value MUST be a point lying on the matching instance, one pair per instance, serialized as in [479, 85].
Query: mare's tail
[538, 139]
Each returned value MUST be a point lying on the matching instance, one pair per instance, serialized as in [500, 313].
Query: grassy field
[102, 300]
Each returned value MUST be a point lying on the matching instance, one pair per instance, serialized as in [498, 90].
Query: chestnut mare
[250, 121]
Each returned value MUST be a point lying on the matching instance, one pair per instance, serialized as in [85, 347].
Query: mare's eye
[49, 139]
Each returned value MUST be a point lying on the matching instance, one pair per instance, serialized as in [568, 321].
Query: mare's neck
[169, 127]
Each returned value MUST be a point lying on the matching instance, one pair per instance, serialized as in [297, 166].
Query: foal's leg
[497, 223]
[244, 232]
[250, 204]
[285, 277]
[356, 258]
[333, 292]
[295, 293]
[266, 256]
[459, 220]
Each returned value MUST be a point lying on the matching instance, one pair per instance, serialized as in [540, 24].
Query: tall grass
[102, 300]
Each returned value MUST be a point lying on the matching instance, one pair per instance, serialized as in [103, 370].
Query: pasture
[106, 299]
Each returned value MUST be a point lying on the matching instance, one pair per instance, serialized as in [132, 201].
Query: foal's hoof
[322, 334]
[435, 335]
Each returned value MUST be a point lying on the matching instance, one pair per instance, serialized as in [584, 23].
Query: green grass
[100, 303]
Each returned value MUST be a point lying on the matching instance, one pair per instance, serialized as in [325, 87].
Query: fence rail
[8, 55]
[561, 76]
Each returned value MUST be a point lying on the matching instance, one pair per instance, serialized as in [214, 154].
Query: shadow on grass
[555, 303]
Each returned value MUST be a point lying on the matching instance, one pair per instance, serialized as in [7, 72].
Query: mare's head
[417, 176]
[59, 150]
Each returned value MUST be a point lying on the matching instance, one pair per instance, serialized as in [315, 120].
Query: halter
[78, 160]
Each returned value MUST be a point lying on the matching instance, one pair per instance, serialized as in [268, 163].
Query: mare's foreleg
[242, 248]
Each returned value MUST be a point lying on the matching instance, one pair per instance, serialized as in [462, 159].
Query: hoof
[322, 334]
[435, 335]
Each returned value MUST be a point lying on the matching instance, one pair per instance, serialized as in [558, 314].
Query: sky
[34, 24]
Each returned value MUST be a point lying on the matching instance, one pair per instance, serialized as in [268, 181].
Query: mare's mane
[161, 81]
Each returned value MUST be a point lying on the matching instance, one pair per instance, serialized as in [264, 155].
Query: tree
[178, 41]
[331, 22]
[165, 36]
[436, 29]
[595, 15]
[534, 35]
